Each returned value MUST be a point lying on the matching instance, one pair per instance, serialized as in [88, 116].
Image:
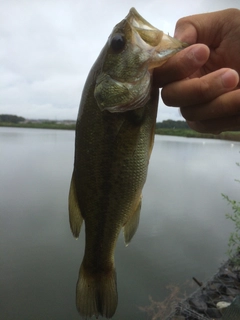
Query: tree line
[165, 124]
[172, 124]
[9, 118]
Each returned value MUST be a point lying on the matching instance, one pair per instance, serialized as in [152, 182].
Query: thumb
[203, 28]
[185, 31]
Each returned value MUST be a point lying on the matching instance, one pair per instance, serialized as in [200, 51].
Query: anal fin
[75, 216]
[132, 224]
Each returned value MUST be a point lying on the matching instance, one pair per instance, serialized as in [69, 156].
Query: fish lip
[138, 21]
[155, 42]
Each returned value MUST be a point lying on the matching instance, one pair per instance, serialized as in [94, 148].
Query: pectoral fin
[75, 217]
[132, 224]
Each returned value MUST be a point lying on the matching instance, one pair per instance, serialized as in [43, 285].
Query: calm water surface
[183, 231]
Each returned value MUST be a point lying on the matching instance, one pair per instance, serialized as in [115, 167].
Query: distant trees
[172, 124]
[11, 118]
[165, 124]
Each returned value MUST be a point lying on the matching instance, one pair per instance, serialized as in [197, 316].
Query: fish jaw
[168, 47]
[159, 47]
[133, 50]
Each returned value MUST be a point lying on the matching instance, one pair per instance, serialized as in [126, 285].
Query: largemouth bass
[114, 140]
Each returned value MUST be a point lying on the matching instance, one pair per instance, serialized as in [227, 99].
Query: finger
[198, 91]
[186, 31]
[225, 105]
[216, 126]
[204, 28]
[182, 65]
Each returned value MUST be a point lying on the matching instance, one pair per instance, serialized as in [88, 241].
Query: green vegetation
[181, 129]
[166, 127]
[172, 124]
[8, 118]
[234, 239]
[229, 135]
[40, 125]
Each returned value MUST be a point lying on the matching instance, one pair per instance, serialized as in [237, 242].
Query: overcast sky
[47, 48]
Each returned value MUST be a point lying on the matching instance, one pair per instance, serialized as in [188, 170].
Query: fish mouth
[135, 48]
[159, 45]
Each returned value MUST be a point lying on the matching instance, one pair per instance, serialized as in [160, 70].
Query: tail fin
[96, 293]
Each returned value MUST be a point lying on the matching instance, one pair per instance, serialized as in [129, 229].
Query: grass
[229, 135]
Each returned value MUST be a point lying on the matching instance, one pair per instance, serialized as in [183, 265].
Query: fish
[113, 143]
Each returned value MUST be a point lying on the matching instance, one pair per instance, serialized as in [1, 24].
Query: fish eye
[118, 43]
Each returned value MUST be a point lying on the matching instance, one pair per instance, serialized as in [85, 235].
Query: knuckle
[204, 89]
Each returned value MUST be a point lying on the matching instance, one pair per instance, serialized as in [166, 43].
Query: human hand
[204, 81]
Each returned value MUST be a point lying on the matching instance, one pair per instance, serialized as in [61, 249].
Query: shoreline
[188, 133]
[224, 286]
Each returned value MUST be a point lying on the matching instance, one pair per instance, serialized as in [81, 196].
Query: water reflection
[183, 231]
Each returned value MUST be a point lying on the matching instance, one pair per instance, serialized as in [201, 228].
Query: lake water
[183, 231]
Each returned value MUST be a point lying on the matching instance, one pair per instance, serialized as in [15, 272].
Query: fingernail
[178, 34]
[230, 79]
